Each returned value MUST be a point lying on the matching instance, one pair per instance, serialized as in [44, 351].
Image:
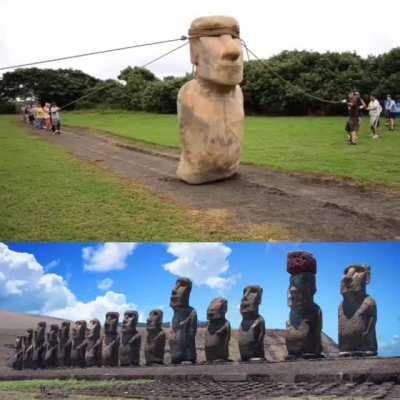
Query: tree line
[265, 85]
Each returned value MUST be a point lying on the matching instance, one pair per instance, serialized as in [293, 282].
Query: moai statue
[303, 334]
[252, 327]
[155, 340]
[64, 345]
[130, 340]
[210, 107]
[218, 331]
[110, 344]
[357, 314]
[93, 344]
[17, 360]
[78, 333]
[28, 349]
[51, 356]
[182, 342]
[39, 346]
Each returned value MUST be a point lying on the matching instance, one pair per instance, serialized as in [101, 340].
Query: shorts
[353, 124]
[374, 121]
[392, 115]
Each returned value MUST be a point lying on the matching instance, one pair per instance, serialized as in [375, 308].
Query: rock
[110, 343]
[155, 340]
[130, 340]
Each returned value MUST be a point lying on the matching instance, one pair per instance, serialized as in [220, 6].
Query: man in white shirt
[375, 110]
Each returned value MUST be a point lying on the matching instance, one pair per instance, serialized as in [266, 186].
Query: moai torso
[218, 331]
[78, 344]
[357, 314]
[64, 345]
[17, 359]
[130, 340]
[93, 344]
[110, 343]
[51, 358]
[155, 340]
[28, 348]
[39, 348]
[252, 327]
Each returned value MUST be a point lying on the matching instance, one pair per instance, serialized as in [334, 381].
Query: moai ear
[367, 275]
[194, 51]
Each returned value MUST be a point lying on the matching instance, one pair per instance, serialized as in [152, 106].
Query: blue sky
[143, 275]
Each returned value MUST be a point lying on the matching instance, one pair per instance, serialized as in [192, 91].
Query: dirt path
[310, 209]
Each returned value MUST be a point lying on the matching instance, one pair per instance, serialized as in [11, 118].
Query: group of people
[45, 116]
[356, 105]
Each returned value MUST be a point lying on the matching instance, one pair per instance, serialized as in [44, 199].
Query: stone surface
[130, 340]
[303, 335]
[51, 356]
[39, 348]
[182, 342]
[252, 327]
[28, 348]
[110, 343]
[357, 314]
[78, 333]
[64, 345]
[218, 331]
[155, 339]
[210, 107]
[93, 344]
[17, 360]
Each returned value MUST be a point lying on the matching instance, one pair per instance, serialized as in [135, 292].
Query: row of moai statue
[87, 347]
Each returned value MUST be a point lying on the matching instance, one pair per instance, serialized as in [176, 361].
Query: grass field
[297, 144]
[46, 195]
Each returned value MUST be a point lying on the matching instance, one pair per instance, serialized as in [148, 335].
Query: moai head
[111, 323]
[78, 330]
[181, 293]
[251, 300]
[216, 50]
[93, 329]
[29, 336]
[41, 332]
[130, 321]
[18, 343]
[155, 320]
[217, 309]
[302, 266]
[355, 280]
[64, 331]
[52, 335]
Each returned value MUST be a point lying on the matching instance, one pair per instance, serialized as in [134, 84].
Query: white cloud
[105, 284]
[204, 263]
[51, 265]
[107, 257]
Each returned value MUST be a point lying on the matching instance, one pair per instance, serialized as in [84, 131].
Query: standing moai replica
[182, 342]
[17, 359]
[357, 314]
[64, 345]
[93, 344]
[39, 346]
[252, 327]
[130, 340]
[303, 334]
[51, 357]
[210, 107]
[110, 344]
[218, 331]
[28, 349]
[78, 333]
[155, 340]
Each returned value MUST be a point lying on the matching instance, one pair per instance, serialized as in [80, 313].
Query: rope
[92, 53]
[98, 88]
[320, 99]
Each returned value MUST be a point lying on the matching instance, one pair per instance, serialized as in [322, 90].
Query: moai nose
[232, 49]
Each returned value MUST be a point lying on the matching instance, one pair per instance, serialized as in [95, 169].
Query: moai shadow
[218, 331]
[28, 349]
[64, 345]
[39, 346]
[303, 334]
[182, 342]
[17, 359]
[155, 340]
[252, 327]
[78, 344]
[93, 344]
[110, 343]
[210, 107]
[130, 340]
[51, 356]
[357, 314]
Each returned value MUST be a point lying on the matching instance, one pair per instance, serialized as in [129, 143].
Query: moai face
[111, 323]
[64, 331]
[18, 343]
[154, 322]
[181, 293]
[251, 300]
[301, 290]
[217, 309]
[53, 334]
[78, 330]
[216, 50]
[41, 332]
[355, 280]
[93, 329]
[29, 335]
[130, 320]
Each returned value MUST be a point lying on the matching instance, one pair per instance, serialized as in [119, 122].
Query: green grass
[298, 144]
[47, 195]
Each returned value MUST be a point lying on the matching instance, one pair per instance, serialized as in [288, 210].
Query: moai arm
[369, 313]
[261, 329]
[135, 338]
[319, 320]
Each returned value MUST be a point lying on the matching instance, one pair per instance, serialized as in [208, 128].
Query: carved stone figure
[182, 342]
[28, 349]
[130, 340]
[357, 314]
[17, 360]
[210, 107]
[252, 327]
[64, 345]
[218, 331]
[78, 333]
[39, 346]
[51, 357]
[155, 340]
[303, 334]
[110, 344]
[93, 344]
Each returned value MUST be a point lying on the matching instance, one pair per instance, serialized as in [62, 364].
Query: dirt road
[309, 208]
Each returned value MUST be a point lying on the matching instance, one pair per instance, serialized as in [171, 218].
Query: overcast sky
[30, 30]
